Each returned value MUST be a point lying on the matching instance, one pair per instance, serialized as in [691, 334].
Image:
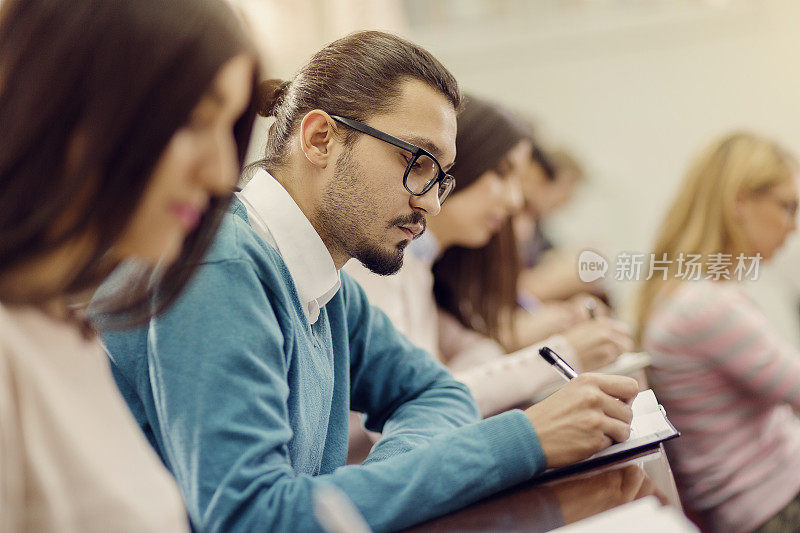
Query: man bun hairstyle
[357, 76]
[269, 95]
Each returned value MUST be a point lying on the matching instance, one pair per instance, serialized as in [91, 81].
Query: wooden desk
[543, 506]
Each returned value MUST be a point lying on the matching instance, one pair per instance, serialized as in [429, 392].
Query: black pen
[561, 366]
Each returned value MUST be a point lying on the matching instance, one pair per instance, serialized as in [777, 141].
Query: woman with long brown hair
[125, 125]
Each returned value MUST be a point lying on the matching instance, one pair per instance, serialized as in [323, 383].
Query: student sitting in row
[471, 242]
[548, 183]
[125, 125]
[726, 378]
[244, 386]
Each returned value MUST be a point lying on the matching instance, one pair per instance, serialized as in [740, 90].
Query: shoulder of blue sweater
[236, 240]
[347, 279]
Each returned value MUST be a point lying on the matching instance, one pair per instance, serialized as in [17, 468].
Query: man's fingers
[615, 429]
[621, 387]
[617, 409]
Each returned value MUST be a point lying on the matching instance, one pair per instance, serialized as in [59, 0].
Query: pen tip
[545, 353]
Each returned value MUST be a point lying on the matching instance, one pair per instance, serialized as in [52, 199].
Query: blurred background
[632, 87]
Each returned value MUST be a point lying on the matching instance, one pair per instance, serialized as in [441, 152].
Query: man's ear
[317, 136]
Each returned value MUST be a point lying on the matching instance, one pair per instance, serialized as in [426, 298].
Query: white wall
[635, 88]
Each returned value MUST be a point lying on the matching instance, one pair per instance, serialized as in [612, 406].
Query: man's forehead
[429, 122]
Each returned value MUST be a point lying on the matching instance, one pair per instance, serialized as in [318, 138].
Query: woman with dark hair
[125, 126]
[472, 248]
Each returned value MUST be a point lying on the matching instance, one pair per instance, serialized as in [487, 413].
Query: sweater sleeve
[723, 325]
[405, 394]
[218, 375]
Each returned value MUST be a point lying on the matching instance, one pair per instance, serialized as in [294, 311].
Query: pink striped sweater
[729, 383]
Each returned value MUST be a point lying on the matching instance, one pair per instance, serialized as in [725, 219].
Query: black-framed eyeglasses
[423, 171]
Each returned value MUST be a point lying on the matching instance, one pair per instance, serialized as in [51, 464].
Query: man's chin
[383, 264]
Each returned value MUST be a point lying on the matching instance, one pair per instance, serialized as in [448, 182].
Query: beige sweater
[71, 456]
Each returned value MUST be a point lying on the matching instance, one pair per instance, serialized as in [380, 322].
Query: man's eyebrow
[422, 142]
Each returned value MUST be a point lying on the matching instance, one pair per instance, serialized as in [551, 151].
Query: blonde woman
[727, 380]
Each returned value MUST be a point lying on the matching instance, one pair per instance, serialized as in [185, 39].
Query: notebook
[649, 427]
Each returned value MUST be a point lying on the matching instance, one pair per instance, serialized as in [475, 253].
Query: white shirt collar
[276, 218]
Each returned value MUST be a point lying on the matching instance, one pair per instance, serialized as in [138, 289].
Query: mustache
[405, 220]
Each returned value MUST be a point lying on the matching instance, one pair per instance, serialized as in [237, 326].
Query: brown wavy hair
[121, 77]
[479, 286]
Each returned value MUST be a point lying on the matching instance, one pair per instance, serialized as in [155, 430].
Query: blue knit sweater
[247, 404]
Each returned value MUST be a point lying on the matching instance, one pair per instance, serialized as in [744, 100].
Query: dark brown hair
[120, 77]
[478, 286]
[357, 76]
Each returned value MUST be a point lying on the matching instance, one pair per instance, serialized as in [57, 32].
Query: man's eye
[415, 165]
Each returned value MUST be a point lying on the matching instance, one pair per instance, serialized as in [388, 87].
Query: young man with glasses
[245, 385]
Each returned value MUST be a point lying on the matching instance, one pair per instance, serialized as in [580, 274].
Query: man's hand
[585, 416]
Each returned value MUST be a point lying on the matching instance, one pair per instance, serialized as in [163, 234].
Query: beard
[346, 212]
